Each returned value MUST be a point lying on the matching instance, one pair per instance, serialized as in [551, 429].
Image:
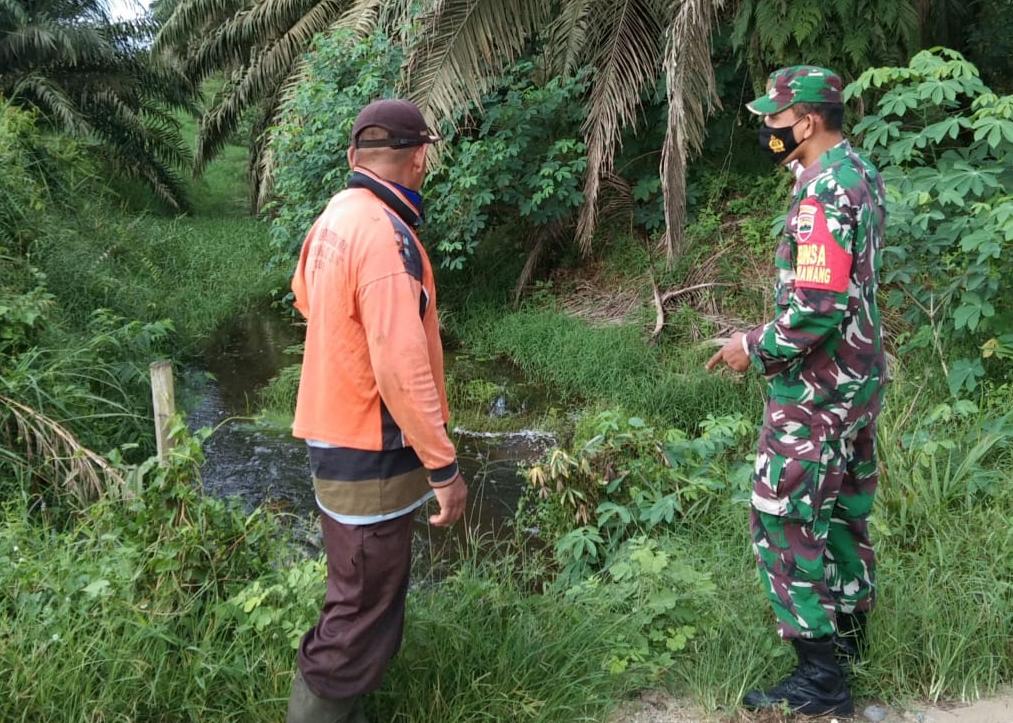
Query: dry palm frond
[618, 204]
[599, 304]
[74, 468]
[689, 76]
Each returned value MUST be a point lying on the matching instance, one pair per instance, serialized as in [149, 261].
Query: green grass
[129, 255]
[126, 611]
[613, 365]
[942, 536]
[945, 602]
[940, 630]
[101, 621]
[480, 647]
[198, 272]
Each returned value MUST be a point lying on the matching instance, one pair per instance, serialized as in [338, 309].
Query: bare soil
[660, 707]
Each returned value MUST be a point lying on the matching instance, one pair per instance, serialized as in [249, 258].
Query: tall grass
[945, 549]
[120, 251]
[940, 629]
[613, 365]
[198, 272]
[96, 626]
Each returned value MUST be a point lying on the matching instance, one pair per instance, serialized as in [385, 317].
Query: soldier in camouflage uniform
[816, 470]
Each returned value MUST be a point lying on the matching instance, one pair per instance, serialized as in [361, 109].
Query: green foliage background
[150, 600]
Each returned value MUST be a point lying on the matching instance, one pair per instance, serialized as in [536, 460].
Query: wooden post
[163, 398]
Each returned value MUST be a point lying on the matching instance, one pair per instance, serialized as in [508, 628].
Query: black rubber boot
[849, 642]
[816, 687]
[305, 706]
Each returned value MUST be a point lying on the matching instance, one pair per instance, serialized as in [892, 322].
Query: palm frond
[261, 165]
[689, 76]
[227, 46]
[191, 17]
[163, 135]
[567, 37]
[362, 17]
[261, 81]
[91, 77]
[12, 12]
[48, 445]
[467, 43]
[627, 60]
[53, 101]
[269, 18]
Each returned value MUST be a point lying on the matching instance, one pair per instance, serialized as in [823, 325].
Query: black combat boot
[849, 642]
[816, 687]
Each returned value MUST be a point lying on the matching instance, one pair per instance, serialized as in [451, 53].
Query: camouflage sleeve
[823, 235]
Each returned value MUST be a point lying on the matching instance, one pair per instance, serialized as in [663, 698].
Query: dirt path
[658, 707]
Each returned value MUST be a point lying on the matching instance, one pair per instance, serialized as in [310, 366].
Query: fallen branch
[661, 299]
[659, 307]
[669, 295]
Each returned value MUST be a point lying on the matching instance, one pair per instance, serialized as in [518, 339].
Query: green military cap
[797, 84]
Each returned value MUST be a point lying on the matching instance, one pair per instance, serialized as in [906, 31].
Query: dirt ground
[658, 707]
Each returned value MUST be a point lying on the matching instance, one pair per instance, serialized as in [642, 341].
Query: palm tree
[93, 78]
[456, 51]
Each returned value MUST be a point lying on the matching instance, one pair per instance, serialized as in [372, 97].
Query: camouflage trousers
[811, 503]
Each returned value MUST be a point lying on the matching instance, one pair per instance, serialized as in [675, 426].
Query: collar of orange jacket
[387, 192]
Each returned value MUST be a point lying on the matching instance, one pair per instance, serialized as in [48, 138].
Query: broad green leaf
[964, 375]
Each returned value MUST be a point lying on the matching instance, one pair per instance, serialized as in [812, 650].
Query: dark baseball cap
[401, 118]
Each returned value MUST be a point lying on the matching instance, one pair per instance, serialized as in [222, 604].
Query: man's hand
[452, 498]
[732, 353]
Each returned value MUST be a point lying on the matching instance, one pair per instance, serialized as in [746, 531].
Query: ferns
[805, 21]
[847, 35]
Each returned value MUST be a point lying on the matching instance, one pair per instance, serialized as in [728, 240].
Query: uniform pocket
[787, 475]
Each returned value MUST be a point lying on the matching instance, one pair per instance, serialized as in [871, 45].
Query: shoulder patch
[820, 262]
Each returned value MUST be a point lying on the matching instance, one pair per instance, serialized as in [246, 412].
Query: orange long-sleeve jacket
[372, 377]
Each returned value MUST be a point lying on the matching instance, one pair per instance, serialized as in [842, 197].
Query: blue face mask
[414, 197]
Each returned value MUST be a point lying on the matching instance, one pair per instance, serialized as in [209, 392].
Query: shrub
[518, 159]
[944, 143]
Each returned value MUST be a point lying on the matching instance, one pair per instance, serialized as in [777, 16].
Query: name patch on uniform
[820, 262]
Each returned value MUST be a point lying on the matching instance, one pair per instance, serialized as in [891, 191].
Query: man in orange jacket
[372, 408]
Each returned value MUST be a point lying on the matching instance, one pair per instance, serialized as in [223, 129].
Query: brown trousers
[347, 652]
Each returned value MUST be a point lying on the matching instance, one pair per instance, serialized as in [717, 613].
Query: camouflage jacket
[823, 353]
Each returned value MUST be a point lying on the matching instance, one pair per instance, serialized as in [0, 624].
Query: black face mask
[778, 142]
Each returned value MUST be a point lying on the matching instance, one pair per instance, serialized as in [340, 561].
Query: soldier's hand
[719, 356]
[733, 354]
[452, 498]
